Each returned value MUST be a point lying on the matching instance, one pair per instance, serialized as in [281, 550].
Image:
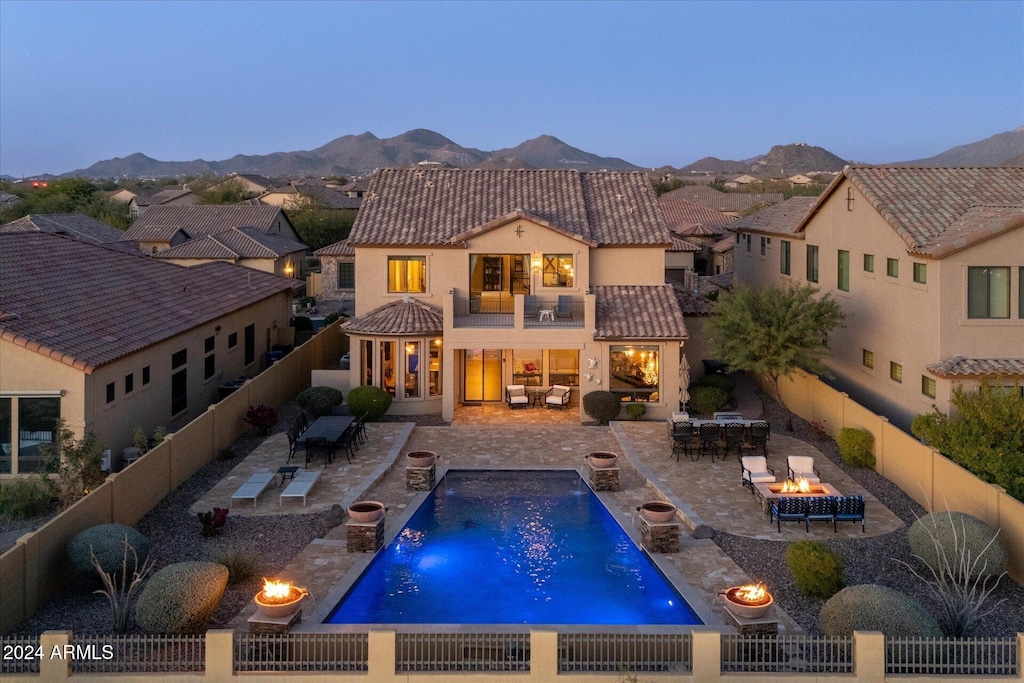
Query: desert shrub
[372, 402]
[241, 563]
[319, 401]
[77, 462]
[331, 317]
[106, 543]
[261, 418]
[636, 411]
[302, 324]
[213, 520]
[603, 406]
[726, 384]
[27, 497]
[958, 534]
[706, 400]
[816, 568]
[227, 453]
[119, 588]
[870, 607]
[855, 446]
[181, 598]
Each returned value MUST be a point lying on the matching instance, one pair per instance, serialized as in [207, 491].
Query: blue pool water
[512, 547]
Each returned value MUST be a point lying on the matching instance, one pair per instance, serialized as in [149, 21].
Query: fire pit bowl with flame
[801, 485]
[749, 601]
[279, 599]
[602, 459]
[657, 511]
[420, 458]
[365, 511]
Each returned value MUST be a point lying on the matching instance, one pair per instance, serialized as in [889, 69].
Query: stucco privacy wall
[37, 566]
[926, 475]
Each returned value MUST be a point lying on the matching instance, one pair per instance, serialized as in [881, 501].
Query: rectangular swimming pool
[512, 547]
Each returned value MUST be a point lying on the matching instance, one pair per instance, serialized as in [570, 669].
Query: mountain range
[359, 154]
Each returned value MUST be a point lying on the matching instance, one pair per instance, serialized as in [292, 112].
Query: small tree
[773, 331]
[77, 462]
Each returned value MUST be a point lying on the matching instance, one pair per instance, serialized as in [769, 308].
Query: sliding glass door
[481, 375]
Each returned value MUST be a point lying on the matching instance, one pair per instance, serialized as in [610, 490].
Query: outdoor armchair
[788, 510]
[563, 309]
[802, 467]
[821, 509]
[515, 396]
[849, 509]
[755, 470]
[557, 396]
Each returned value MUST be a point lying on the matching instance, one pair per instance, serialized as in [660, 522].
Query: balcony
[519, 312]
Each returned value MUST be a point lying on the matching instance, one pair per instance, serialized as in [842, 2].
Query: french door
[481, 375]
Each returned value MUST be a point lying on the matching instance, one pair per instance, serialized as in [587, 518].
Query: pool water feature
[512, 547]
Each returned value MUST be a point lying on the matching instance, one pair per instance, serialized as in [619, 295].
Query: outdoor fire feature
[366, 511]
[279, 599]
[749, 601]
[657, 511]
[602, 459]
[801, 485]
[420, 458]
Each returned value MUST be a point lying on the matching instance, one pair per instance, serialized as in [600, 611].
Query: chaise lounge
[252, 488]
[300, 486]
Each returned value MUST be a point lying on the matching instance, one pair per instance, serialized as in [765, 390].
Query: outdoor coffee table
[536, 396]
[765, 495]
[287, 472]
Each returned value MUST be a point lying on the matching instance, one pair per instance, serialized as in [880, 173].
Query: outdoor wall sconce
[536, 262]
[288, 270]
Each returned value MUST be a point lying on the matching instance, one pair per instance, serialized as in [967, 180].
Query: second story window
[869, 263]
[892, 267]
[558, 270]
[784, 258]
[867, 358]
[896, 372]
[843, 280]
[764, 245]
[928, 386]
[988, 292]
[346, 275]
[812, 263]
[921, 273]
[407, 273]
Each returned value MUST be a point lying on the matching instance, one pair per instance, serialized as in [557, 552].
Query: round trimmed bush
[107, 543]
[603, 406]
[816, 568]
[869, 607]
[855, 446]
[726, 384]
[319, 401]
[181, 598]
[952, 529]
[706, 400]
[372, 402]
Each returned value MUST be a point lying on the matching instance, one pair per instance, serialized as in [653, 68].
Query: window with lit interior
[635, 372]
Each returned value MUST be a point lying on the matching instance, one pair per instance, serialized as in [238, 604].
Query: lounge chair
[820, 510]
[252, 488]
[515, 396]
[788, 510]
[530, 307]
[802, 467]
[755, 470]
[300, 485]
[849, 509]
[557, 396]
[563, 309]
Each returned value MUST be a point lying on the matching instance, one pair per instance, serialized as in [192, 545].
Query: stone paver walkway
[491, 414]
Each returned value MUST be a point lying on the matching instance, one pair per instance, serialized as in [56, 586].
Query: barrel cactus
[181, 598]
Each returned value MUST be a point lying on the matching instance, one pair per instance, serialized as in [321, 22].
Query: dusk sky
[653, 83]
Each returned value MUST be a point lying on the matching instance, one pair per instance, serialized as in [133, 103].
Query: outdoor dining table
[330, 427]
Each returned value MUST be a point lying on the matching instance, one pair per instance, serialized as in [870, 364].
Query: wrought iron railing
[473, 312]
[104, 653]
[563, 312]
[462, 652]
[301, 652]
[952, 656]
[624, 652]
[20, 654]
[789, 654]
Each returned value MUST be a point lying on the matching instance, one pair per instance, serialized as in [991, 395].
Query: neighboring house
[77, 225]
[744, 179]
[246, 247]
[679, 258]
[123, 195]
[337, 271]
[8, 200]
[800, 179]
[250, 183]
[470, 280]
[927, 263]
[698, 225]
[357, 188]
[301, 194]
[109, 340]
[722, 256]
[755, 233]
[140, 204]
[208, 219]
[153, 239]
[732, 203]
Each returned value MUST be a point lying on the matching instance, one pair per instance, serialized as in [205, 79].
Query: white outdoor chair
[256, 485]
[300, 485]
[755, 471]
[802, 467]
[515, 395]
[557, 396]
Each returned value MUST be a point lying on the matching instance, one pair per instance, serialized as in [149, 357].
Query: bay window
[635, 372]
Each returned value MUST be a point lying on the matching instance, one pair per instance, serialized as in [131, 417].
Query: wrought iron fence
[102, 653]
[301, 652]
[790, 654]
[20, 654]
[624, 652]
[963, 656]
[462, 652]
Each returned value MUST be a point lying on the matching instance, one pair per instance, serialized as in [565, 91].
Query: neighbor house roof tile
[722, 201]
[342, 248]
[679, 244]
[691, 304]
[87, 305]
[406, 316]
[723, 245]
[779, 219]
[205, 219]
[962, 366]
[76, 225]
[682, 213]
[237, 243]
[638, 312]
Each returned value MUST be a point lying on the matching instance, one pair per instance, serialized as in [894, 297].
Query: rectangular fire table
[765, 494]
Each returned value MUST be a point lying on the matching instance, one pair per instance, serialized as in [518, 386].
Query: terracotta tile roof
[202, 219]
[723, 280]
[342, 248]
[157, 233]
[86, 305]
[638, 312]
[682, 213]
[962, 366]
[76, 225]
[159, 198]
[406, 316]
[938, 211]
[698, 230]
[679, 244]
[433, 206]
[780, 219]
[237, 243]
[722, 201]
[329, 198]
[691, 304]
[723, 245]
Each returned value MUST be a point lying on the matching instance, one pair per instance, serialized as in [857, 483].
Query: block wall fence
[37, 567]
[927, 476]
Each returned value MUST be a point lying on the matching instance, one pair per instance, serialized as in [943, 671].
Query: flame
[276, 590]
[751, 592]
[801, 485]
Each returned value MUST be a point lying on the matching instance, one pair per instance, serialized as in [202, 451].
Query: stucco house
[928, 265]
[468, 281]
[337, 271]
[141, 203]
[251, 183]
[77, 225]
[733, 204]
[110, 340]
[246, 247]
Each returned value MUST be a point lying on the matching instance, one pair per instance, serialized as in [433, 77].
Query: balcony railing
[477, 312]
[561, 312]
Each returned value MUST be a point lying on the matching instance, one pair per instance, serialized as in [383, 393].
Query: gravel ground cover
[868, 560]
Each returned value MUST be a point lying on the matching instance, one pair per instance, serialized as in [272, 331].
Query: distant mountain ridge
[781, 161]
[359, 154]
[1003, 149]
